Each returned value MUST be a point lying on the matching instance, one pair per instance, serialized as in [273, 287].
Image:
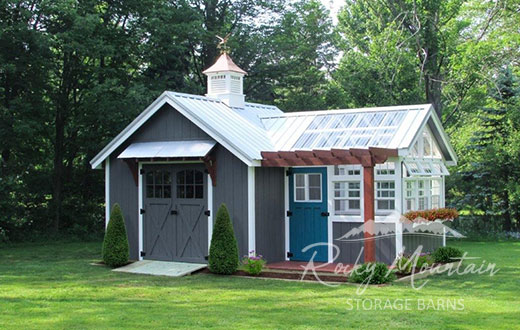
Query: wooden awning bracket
[211, 165]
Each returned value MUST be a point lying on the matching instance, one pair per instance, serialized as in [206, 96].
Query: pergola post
[369, 213]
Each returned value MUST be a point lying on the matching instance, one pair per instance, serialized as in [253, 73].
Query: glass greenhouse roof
[385, 127]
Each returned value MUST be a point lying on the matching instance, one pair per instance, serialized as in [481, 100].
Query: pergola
[367, 158]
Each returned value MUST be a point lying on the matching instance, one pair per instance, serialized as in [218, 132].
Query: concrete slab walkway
[164, 268]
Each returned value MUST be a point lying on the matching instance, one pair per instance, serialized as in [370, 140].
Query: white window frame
[345, 178]
[306, 188]
[439, 195]
[377, 199]
[428, 193]
[347, 198]
[391, 175]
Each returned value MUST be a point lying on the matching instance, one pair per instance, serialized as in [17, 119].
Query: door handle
[174, 212]
[325, 214]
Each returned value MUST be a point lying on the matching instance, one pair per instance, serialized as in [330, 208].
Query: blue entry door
[308, 213]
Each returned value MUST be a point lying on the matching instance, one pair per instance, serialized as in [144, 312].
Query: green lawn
[53, 286]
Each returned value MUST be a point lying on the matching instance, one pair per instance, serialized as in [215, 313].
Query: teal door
[308, 213]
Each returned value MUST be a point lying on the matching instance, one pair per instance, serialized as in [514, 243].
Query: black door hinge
[143, 253]
[289, 213]
[289, 254]
[174, 212]
[325, 214]
[207, 212]
[141, 211]
[141, 171]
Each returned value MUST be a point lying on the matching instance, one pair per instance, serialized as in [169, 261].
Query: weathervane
[222, 45]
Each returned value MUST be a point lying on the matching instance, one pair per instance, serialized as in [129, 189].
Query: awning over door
[168, 149]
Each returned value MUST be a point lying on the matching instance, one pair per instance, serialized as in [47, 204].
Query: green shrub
[115, 244]
[372, 273]
[446, 254]
[223, 253]
[253, 264]
[404, 266]
[423, 260]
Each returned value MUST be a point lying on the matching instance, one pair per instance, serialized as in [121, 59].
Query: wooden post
[369, 213]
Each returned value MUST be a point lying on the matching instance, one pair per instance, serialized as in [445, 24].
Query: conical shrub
[223, 253]
[115, 244]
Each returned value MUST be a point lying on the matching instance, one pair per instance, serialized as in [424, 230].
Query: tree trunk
[507, 226]
[433, 92]
[57, 179]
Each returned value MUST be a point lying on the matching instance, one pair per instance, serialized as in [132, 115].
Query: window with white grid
[385, 195]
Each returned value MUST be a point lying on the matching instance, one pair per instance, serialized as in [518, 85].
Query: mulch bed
[290, 276]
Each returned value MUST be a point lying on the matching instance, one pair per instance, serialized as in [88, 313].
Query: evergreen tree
[223, 253]
[115, 244]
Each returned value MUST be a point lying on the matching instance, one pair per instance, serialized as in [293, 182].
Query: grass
[54, 286]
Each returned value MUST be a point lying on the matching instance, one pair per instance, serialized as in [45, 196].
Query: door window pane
[300, 180]
[314, 193]
[300, 194]
[314, 180]
[307, 187]
[158, 184]
[190, 184]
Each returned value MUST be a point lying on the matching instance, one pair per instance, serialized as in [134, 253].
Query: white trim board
[107, 191]
[287, 219]
[251, 229]
[139, 207]
[210, 208]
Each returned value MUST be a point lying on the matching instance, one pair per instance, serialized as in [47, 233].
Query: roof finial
[222, 45]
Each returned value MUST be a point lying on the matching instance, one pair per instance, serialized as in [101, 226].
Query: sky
[333, 6]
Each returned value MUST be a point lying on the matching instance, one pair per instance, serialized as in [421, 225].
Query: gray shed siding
[385, 242]
[231, 190]
[270, 213]
[413, 238]
[166, 125]
[124, 192]
[350, 247]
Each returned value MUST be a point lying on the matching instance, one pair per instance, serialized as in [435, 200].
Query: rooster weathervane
[222, 45]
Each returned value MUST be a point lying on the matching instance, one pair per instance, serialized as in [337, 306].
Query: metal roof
[246, 132]
[224, 124]
[385, 127]
[254, 111]
[168, 149]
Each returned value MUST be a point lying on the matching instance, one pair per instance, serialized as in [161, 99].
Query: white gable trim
[444, 136]
[147, 114]
[445, 139]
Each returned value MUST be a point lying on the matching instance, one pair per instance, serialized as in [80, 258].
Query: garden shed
[296, 184]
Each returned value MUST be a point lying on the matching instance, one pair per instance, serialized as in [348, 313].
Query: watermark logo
[356, 237]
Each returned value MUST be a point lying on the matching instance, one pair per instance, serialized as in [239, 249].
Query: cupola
[226, 81]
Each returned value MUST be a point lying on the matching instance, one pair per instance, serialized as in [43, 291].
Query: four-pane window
[307, 187]
[190, 184]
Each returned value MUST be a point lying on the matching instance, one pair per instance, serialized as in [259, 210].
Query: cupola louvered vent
[225, 82]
